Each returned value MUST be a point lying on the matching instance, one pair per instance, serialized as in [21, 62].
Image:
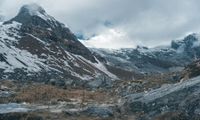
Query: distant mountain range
[154, 60]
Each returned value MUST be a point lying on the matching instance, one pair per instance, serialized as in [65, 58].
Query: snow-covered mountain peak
[32, 9]
[35, 15]
[34, 45]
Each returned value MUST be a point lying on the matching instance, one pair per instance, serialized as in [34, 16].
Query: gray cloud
[145, 22]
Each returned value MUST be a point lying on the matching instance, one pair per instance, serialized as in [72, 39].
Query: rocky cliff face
[35, 46]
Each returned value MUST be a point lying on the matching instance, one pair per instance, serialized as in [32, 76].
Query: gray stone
[103, 112]
[101, 81]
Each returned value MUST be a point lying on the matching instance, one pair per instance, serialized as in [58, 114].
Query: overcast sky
[120, 23]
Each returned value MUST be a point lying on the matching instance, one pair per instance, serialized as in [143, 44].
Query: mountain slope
[35, 46]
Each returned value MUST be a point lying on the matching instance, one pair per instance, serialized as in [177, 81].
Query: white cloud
[111, 38]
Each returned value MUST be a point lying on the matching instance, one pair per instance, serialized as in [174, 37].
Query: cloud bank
[120, 23]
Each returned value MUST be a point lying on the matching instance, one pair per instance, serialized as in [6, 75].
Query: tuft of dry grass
[39, 93]
[8, 83]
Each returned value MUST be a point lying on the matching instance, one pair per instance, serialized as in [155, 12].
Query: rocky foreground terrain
[136, 99]
[47, 74]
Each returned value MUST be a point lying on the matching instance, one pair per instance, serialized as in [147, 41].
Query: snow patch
[14, 57]
[99, 66]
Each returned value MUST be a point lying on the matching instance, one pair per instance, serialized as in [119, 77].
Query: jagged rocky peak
[33, 14]
[35, 21]
[32, 9]
[188, 42]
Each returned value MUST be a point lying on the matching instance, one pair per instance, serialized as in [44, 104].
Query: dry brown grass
[45, 93]
[40, 93]
[8, 83]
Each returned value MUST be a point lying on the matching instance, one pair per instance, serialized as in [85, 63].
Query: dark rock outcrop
[181, 98]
